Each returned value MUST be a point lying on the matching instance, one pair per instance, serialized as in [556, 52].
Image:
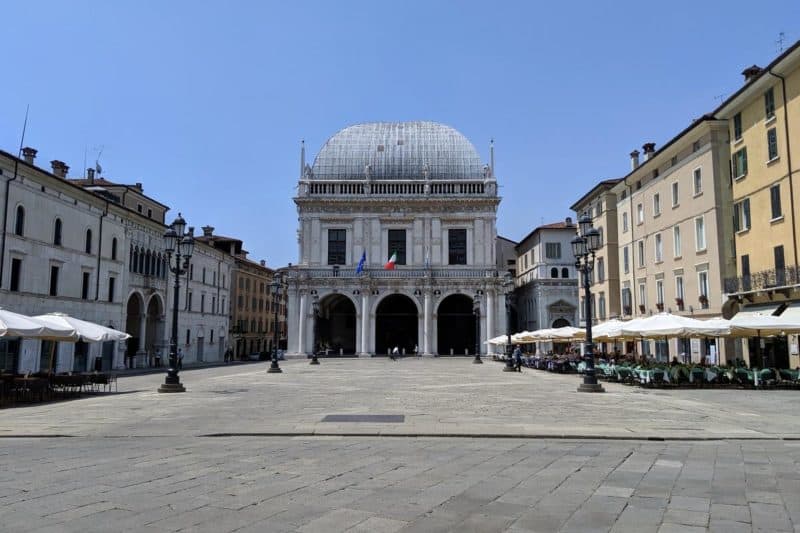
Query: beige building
[252, 306]
[600, 204]
[764, 117]
[675, 241]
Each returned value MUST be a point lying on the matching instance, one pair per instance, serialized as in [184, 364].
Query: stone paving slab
[437, 397]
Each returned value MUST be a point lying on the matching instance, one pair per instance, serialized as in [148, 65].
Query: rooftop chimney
[29, 154]
[649, 149]
[751, 72]
[263, 263]
[208, 231]
[568, 221]
[139, 185]
[90, 175]
[634, 159]
[60, 168]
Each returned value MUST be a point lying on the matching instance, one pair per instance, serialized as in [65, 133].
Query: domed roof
[398, 150]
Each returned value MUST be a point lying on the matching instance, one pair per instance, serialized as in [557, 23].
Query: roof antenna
[302, 157]
[719, 98]
[97, 167]
[24, 127]
[491, 157]
[779, 42]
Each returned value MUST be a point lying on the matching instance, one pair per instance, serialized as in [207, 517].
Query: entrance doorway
[455, 330]
[336, 326]
[396, 324]
[133, 325]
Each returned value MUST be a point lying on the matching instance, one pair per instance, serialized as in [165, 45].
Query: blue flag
[360, 267]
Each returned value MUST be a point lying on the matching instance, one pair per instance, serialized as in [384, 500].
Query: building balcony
[400, 272]
[764, 280]
[143, 281]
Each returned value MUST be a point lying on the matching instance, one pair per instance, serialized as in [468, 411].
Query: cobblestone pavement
[437, 397]
[247, 451]
[382, 484]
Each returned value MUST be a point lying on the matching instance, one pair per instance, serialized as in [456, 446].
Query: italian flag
[391, 263]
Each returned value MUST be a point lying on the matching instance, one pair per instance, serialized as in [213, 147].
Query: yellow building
[763, 118]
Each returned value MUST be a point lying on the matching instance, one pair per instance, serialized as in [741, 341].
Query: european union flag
[360, 267]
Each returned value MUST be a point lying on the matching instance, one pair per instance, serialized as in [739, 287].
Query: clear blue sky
[206, 102]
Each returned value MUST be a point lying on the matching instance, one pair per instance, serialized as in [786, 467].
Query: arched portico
[455, 325]
[397, 319]
[335, 330]
[135, 326]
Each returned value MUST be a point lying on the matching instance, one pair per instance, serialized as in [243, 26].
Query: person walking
[518, 359]
[416, 350]
[180, 359]
[394, 353]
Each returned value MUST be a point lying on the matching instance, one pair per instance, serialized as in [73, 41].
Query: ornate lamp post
[508, 289]
[182, 245]
[476, 310]
[275, 288]
[315, 308]
[584, 247]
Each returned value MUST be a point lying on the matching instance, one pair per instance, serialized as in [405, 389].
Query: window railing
[396, 188]
[765, 279]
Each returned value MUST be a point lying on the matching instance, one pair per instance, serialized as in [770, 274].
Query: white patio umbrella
[17, 325]
[665, 325]
[83, 330]
[500, 339]
[762, 325]
[609, 330]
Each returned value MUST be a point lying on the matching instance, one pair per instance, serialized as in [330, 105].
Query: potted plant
[641, 308]
[660, 306]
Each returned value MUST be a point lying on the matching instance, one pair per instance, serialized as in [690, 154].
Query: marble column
[301, 325]
[490, 311]
[426, 324]
[364, 324]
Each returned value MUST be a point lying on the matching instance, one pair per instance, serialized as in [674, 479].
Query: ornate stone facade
[421, 194]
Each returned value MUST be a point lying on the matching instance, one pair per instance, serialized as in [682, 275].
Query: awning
[792, 312]
[754, 310]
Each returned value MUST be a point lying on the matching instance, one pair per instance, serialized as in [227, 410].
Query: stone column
[426, 324]
[301, 325]
[141, 354]
[365, 324]
[490, 311]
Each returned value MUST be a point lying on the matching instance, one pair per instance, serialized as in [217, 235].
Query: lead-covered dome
[398, 150]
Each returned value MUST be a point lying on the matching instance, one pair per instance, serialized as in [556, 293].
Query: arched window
[132, 260]
[114, 249]
[153, 262]
[19, 223]
[164, 267]
[135, 262]
[88, 241]
[565, 272]
[157, 272]
[147, 263]
[141, 262]
[554, 272]
[57, 232]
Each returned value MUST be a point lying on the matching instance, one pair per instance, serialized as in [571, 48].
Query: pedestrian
[416, 350]
[394, 353]
[517, 359]
[180, 359]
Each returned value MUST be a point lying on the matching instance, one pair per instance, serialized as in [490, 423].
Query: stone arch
[155, 322]
[335, 325]
[455, 324]
[397, 317]
[560, 323]
[134, 314]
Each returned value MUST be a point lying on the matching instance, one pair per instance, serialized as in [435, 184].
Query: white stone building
[79, 246]
[415, 189]
[547, 281]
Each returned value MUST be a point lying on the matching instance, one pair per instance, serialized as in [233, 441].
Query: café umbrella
[17, 325]
[82, 329]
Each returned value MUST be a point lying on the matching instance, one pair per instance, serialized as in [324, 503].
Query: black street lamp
[476, 310]
[315, 308]
[275, 287]
[583, 247]
[508, 289]
[182, 245]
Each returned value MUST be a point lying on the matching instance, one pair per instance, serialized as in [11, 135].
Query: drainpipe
[99, 254]
[789, 163]
[5, 220]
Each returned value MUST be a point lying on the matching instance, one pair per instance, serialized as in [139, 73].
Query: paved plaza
[460, 447]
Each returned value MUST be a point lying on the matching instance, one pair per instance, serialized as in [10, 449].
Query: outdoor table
[28, 387]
